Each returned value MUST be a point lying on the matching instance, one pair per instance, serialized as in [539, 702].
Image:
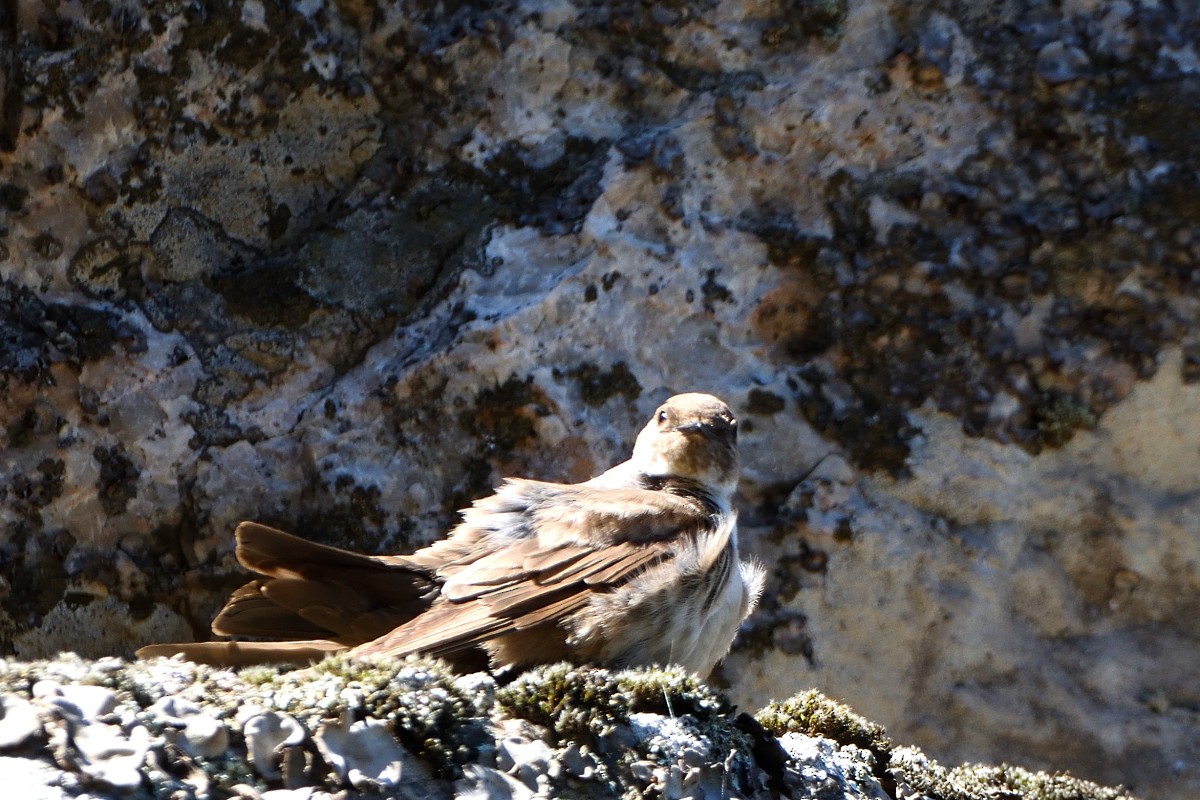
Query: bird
[638, 566]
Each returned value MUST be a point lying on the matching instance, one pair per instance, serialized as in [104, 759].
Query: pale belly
[684, 613]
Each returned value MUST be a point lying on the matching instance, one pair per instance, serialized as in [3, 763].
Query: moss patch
[574, 700]
[981, 782]
[814, 714]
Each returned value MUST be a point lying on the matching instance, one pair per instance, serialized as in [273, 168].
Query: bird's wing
[539, 552]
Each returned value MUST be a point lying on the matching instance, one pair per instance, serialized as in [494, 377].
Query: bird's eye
[662, 415]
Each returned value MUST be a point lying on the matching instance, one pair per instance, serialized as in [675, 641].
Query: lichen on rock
[168, 727]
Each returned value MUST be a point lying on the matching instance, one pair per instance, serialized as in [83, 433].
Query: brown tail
[320, 598]
[313, 591]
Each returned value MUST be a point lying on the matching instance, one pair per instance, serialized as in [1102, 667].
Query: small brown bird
[636, 566]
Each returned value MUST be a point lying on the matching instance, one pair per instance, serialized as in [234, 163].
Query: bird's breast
[684, 611]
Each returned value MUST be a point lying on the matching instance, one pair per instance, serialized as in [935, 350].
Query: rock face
[340, 266]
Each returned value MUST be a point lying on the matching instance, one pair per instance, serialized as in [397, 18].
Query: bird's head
[691, 436]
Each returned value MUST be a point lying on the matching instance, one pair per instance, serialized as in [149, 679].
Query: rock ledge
[172, 729]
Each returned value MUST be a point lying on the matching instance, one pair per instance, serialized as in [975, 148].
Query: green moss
[569, 700]
[430, 714]
[672, 691]
[442, 719]
[814, 714]
[590, 706]
[980, 782]
[262, 675]
[574, 701]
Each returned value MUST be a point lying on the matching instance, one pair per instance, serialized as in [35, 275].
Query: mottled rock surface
[409, 729]
[340, 266]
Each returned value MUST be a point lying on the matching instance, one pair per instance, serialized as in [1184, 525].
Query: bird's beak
[690, 427]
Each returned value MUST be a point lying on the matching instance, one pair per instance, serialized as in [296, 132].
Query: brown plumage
[634, 567]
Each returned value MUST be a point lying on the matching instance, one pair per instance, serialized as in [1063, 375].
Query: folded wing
[523, 561]
[539, 554]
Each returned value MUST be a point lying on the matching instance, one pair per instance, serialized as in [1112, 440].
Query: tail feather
[272, 552]
[251, 612]
[311, 590]
[320, 598]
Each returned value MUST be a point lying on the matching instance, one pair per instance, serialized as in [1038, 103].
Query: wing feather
[551, 612]
[443, 630]
[618, 570]
[569, 544]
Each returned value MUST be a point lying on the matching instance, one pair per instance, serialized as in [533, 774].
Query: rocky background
[341, 266]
